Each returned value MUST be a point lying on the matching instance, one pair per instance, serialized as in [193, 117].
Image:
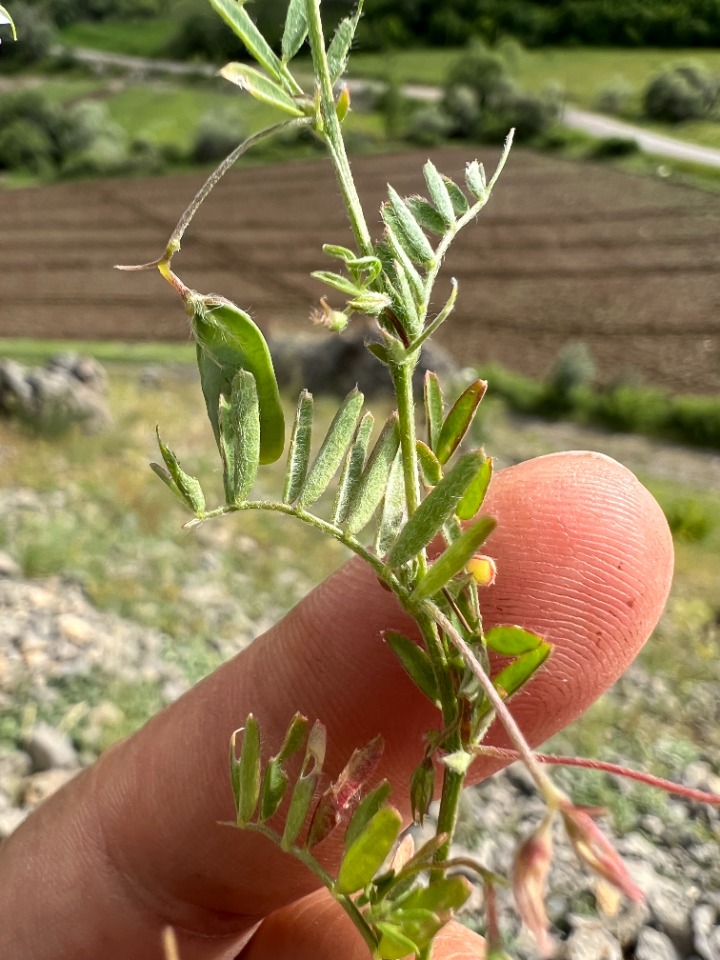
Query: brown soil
[564, 251]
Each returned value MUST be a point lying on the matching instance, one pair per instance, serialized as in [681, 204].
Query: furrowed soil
[564, 251]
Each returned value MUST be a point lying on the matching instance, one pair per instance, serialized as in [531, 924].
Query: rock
[706, 932]
[669, 902]
[336, 364]
[40, 786]
[8, 568]
[69, 389]
[655, 945]
[10, 820]
[591, 941]
[49, 749]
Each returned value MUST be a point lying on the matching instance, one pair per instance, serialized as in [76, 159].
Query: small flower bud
[325, 316]
[342, 107]
[594, 849]
[529, 876]
[482, 569]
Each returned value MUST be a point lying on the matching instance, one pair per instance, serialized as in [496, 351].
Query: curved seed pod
[228, 341]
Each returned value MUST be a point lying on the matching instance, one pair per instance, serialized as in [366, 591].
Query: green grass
[140, 38]
[168, 114]
[34, 352]
[67, 87]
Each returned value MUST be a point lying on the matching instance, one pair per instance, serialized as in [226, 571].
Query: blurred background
[589, 298]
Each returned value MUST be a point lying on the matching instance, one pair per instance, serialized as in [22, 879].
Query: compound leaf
[416, 662]
[517, 673]
[304, 788]
[340, 44]
[398, 215]
[365, 811]
[187, 488]
[458, 199]
[427, 216]
[475, 180]
[394, 509]
[240, 436]
[433, 408]
[512, 641]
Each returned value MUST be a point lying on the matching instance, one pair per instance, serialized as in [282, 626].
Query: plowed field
[564, 251]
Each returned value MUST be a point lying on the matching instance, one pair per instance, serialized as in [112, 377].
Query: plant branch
[309, 518]
[308, 860]
[445, 242]
[331, 129]
[551, 794]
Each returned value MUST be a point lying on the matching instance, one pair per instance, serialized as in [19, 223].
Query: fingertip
[585, 559]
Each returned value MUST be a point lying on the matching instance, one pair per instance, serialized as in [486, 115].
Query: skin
[584, 558]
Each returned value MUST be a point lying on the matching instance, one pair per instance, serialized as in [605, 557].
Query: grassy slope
[140, 38]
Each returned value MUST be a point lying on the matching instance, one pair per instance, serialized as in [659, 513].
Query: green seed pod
[228, 341]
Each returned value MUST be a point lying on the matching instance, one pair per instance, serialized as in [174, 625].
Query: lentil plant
[402, 504]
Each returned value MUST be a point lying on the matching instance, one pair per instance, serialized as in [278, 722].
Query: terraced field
[564, 251]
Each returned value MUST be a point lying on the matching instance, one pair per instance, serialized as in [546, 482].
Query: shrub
[484, 103]
[26, 146]
[696, 421]
[43, 139]
[105, 156]
[689, 520]
[35, 37]
[574, 367]
[429, 126]
[614, 98]
[678, 93]
[613, 147]
[631, 409]
[218, 132]
[481, 70]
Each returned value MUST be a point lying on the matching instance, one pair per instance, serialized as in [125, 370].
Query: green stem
[546, 787]
[331, 130]
[402, 382]
[309, 861]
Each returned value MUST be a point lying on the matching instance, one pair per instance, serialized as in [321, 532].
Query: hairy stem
[331, 130]
[308, 860]
[547, 788]
[616, 769]
[311, 520]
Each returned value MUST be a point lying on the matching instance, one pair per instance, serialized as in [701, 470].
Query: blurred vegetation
[569, 393]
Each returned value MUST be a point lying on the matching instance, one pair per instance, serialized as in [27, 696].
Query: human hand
[132, 844]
